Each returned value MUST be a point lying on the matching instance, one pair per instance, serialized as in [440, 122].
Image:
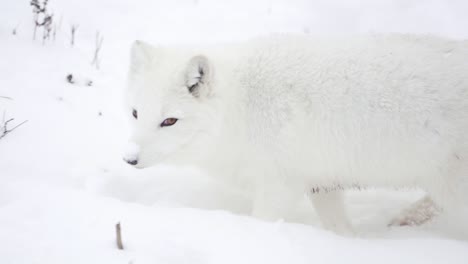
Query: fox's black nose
[131, 161]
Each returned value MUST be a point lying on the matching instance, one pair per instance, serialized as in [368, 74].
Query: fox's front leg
[274, 203]
[274, 200]
[331, 211]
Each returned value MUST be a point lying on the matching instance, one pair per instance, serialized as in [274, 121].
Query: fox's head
[171, 106]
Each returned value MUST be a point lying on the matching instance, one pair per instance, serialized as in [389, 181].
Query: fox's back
[360, 104]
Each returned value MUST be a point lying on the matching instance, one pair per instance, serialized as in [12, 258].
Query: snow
[64, 185]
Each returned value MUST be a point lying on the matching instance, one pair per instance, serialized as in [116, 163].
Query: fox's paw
[422, 211]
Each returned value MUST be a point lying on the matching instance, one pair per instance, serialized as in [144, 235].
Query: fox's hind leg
[274, 198]
[449, 191]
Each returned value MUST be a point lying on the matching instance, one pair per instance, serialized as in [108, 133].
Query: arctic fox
[290, 115]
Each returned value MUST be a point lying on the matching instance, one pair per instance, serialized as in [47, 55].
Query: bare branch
[41, 18]
[6, 97]
[17, 125]
[4, 127]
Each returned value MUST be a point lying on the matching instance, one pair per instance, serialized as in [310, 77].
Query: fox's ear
[141, 56]
[198, 76]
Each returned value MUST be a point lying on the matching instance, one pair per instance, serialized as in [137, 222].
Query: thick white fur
[286, 114]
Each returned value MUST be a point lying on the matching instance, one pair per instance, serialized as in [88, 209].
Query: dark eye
[169, 122]
[135, 114]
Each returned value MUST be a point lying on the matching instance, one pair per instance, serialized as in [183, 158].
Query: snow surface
[64, 185]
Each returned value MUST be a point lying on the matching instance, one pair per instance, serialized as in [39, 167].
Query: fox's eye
[169, 122]
[135, 114]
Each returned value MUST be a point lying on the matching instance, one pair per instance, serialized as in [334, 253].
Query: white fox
[288, 115]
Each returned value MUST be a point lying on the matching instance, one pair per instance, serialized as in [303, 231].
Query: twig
[73, 29]
[119, 236]
[5, 124]
[47, 27]
[59, 26]
[15, 29]
[6, 97]
[98, 44]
